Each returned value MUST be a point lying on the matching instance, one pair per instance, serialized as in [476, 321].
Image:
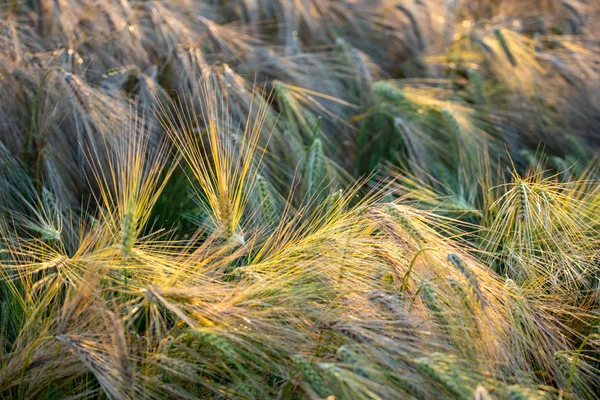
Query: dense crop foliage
[299, 199]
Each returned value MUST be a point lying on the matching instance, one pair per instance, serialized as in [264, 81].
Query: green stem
[576, 359]
[410, 268]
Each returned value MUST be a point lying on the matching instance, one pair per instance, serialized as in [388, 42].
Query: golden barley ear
[224, 159]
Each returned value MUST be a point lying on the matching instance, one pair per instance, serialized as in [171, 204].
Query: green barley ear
[266, 199]
[51, 230]
[333, 202]
[128, 232]
[451, 122]
[429, 297]
[49, 233]
[460, 134]
[470, 276]
[311, 376]
[348, 356]
[389, 91]
[215, 341]
[461, 294]
[578, 148]
[504, 44]
[476, 86]
[388, 281]
[520, 392]
[443, 370]
[246, 391]
[314, 168]
[397, 213]
[432, 303]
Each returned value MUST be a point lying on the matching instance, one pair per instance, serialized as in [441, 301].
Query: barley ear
[128, 234]
[476, 86]
[314, 170]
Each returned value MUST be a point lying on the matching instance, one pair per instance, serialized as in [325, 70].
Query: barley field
[300, 199]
